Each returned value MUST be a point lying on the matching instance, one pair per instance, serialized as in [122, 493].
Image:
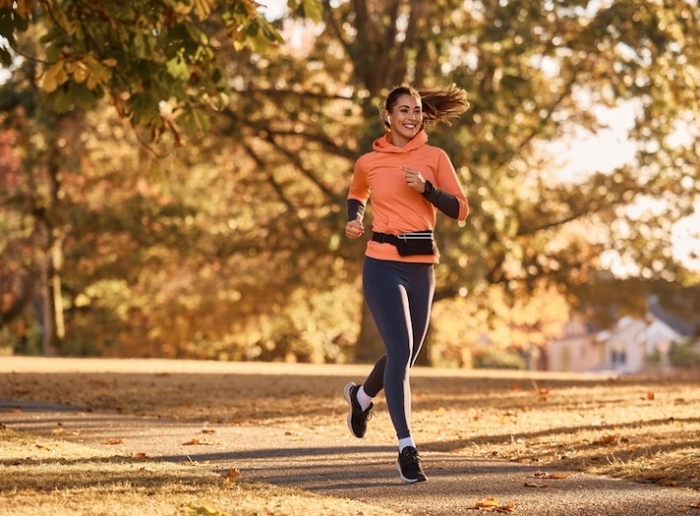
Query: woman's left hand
[414, 179]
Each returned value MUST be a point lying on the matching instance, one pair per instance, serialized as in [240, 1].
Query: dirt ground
[638, 429]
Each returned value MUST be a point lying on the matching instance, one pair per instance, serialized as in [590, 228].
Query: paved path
[351, 468]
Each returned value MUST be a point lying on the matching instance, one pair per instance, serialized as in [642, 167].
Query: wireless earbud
[388, 120]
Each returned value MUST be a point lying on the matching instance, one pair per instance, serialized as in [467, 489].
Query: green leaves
[108, 47]
[308, 9]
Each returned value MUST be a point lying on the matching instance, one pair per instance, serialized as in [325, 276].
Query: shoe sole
[346, 395]
[406, 479]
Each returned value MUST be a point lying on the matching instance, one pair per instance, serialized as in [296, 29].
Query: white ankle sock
[406, 441]
[362, 398]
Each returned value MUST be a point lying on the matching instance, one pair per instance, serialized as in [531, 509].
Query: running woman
[408, 182]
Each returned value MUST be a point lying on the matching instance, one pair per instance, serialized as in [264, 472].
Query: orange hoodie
[398, 208]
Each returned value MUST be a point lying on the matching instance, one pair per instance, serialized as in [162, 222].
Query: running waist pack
[409, 244]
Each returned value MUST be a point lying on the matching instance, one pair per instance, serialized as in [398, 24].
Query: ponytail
[441, 104]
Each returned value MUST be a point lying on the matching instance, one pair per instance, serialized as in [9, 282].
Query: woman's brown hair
[438, 104]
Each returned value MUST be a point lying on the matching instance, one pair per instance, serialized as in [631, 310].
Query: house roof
[683, 327]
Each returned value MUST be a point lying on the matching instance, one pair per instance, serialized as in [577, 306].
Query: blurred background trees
[186, 197]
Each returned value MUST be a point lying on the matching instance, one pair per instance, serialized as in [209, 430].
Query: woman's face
[405, 119]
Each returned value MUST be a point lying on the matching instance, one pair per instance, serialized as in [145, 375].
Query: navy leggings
[399, 296]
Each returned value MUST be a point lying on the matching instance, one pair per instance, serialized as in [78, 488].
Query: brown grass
[643, 430]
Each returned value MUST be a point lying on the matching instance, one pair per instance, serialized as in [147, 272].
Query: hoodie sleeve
[448, 195]
[359, 192]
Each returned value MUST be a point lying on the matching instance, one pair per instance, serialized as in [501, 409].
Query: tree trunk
[47, 315]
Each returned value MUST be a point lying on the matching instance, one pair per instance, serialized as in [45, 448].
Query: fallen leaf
[528, 484]
[489, 502]
[650, 395]
[113, 441]
[198, 440]
[491, 505]
[608, 439]
[231, 476]
[551, 476]
[695, 505]
[139, 455]
[506, 508]
[41, 447]
[440, 411]
[232, 473]
[208, 431]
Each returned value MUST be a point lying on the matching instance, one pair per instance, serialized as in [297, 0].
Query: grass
[642, 430]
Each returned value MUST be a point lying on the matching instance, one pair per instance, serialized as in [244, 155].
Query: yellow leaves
[203, 8]
[86, 70]
[491, 505]
[90, 71]
[53, 77]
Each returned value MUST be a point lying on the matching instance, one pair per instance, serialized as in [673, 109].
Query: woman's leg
[399, 296]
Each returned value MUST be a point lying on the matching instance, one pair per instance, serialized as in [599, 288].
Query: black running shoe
[408, 466]
[357, 418]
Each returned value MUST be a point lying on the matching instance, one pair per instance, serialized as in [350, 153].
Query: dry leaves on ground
[492, 505]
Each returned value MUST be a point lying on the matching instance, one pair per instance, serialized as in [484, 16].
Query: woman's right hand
[354, 229]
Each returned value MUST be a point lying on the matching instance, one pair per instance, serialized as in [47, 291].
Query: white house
[631, 343]
[627, 347]
[577, 351]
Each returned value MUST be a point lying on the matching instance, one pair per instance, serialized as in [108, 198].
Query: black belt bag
[409, 244]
